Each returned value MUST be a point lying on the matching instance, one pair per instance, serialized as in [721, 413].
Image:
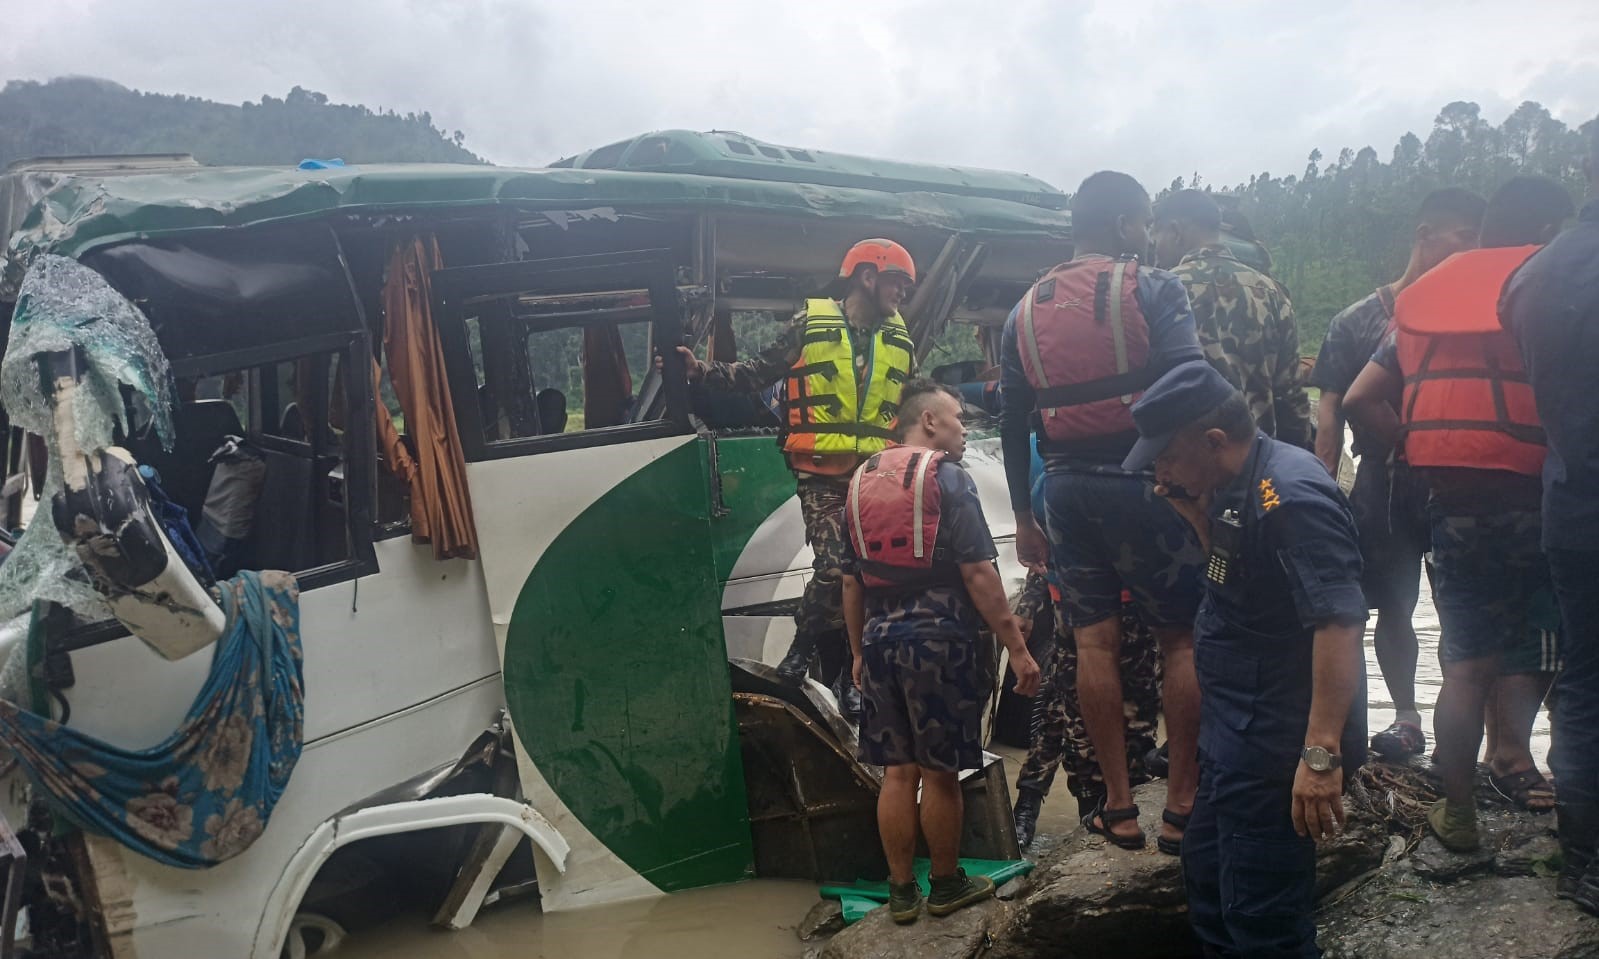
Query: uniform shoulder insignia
[1268, 496]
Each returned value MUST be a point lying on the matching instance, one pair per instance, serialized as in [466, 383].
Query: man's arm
[1173, 335]
[1017, 402]
[759, 371]
[854, 619]
[1291, 405]
[1336, 671]
[1330, 430]
[1372, 403]
[988, 595]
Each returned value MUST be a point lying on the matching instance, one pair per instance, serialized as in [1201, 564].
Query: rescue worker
[1076, 351]
[1244, 319]
[1450, 383]
[1389, 503]
[1057, 737]
[1551, 306]
[842, 363]
[1281, 667]
[919, 582]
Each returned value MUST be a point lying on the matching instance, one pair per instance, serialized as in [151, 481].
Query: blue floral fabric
[204, 794]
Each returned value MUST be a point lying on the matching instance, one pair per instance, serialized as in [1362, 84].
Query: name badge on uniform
[1226, 540]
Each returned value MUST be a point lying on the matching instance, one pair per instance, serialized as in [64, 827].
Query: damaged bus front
[521, 557]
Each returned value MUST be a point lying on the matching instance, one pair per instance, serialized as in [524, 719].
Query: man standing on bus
[842, 363]
[1077, 351]
[919, 582]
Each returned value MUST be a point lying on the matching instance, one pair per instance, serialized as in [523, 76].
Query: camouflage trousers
[1059, 736]
[821, 610]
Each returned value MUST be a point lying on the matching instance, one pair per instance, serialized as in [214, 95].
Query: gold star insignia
[1268, 496]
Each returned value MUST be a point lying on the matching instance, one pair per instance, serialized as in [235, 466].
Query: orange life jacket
[1467, 402]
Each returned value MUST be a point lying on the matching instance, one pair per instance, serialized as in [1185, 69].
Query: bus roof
[81, 213]
[726, 154]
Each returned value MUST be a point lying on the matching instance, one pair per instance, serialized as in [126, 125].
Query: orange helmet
[886, 255]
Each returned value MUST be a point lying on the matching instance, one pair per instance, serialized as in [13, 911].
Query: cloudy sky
[1057, 89]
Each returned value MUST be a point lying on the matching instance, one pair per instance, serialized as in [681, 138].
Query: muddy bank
[1386, 890]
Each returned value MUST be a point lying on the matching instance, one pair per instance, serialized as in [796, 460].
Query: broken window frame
[458, 292]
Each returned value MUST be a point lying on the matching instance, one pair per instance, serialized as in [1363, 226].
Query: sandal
[1171, 847]
[1108, 816]
[1520, 789]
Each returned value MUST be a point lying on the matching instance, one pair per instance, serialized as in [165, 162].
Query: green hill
[78, 115]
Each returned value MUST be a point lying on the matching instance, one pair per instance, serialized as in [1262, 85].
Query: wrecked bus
[524, 557]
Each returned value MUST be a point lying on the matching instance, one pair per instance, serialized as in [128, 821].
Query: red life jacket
[1084, 344]
[1467, 402]
[892, 511]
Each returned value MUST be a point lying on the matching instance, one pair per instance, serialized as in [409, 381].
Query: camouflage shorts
[924, 704]
[1110, 532]
[1492, 589]
[821, 609]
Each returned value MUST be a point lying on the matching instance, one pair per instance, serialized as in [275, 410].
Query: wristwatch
[1320, 760]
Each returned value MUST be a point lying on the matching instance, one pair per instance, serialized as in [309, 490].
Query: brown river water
[757, 919]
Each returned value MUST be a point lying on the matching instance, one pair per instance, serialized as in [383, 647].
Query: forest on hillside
[78, 115]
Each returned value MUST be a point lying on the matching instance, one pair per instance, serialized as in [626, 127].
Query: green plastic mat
[862, 896]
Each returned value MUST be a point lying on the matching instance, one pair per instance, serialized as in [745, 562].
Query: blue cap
[1187, 392]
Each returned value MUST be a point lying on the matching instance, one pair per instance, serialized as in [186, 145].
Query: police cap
[1185, 393]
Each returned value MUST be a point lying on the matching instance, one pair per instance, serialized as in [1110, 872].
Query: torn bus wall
[63, 306]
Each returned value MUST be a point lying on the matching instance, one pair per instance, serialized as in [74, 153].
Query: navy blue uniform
[1551, 305]
[1296, 567]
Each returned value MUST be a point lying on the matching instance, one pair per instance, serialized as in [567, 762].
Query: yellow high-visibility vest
[832, 408]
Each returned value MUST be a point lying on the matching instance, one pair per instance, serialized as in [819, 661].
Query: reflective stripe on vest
[830, 408]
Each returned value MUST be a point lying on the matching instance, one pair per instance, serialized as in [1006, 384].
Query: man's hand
[1032, 546]
[1027, 673]
[1318, 802]
[1196, 510]
[691, 363]
[855, 672]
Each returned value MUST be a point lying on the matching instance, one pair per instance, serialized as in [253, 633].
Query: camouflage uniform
[1059, 735]
[1246, 326]
[821, 497]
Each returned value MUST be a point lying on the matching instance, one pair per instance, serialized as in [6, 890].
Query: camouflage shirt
[772, 364]
[1246, 327]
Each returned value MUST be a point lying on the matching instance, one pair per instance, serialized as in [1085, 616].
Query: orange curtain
[607, 384]
[441, 506]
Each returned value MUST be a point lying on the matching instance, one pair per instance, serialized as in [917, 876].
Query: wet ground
[758, 919]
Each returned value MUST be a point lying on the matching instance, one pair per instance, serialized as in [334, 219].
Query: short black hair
[1104, 197]
[1452, 203]
[1231, 417]
[1193, 206]
[1523, 210]
[913, 399]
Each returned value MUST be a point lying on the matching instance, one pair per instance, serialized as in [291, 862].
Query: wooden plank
[482, 863]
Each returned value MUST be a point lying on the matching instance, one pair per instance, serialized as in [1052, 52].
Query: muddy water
[752, 919]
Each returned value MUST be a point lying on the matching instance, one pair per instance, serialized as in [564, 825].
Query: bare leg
[942, 809]
[1099, 695]
[896, 819]
[1180, 700]
[1513, 707]
[1458, 723]
[1395, 639]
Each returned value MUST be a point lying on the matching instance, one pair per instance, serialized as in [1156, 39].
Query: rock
[824, 919]
[962, 935]
[1536, 856]
[1402, 915]
[1432, 861]
[1015, 889]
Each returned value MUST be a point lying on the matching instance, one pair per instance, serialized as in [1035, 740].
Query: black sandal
[1108, 816]
[1171, 847]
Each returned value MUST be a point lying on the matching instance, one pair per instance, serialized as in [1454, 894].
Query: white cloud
[1159, 88]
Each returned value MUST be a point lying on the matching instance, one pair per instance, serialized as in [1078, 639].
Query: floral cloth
[204, 794]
